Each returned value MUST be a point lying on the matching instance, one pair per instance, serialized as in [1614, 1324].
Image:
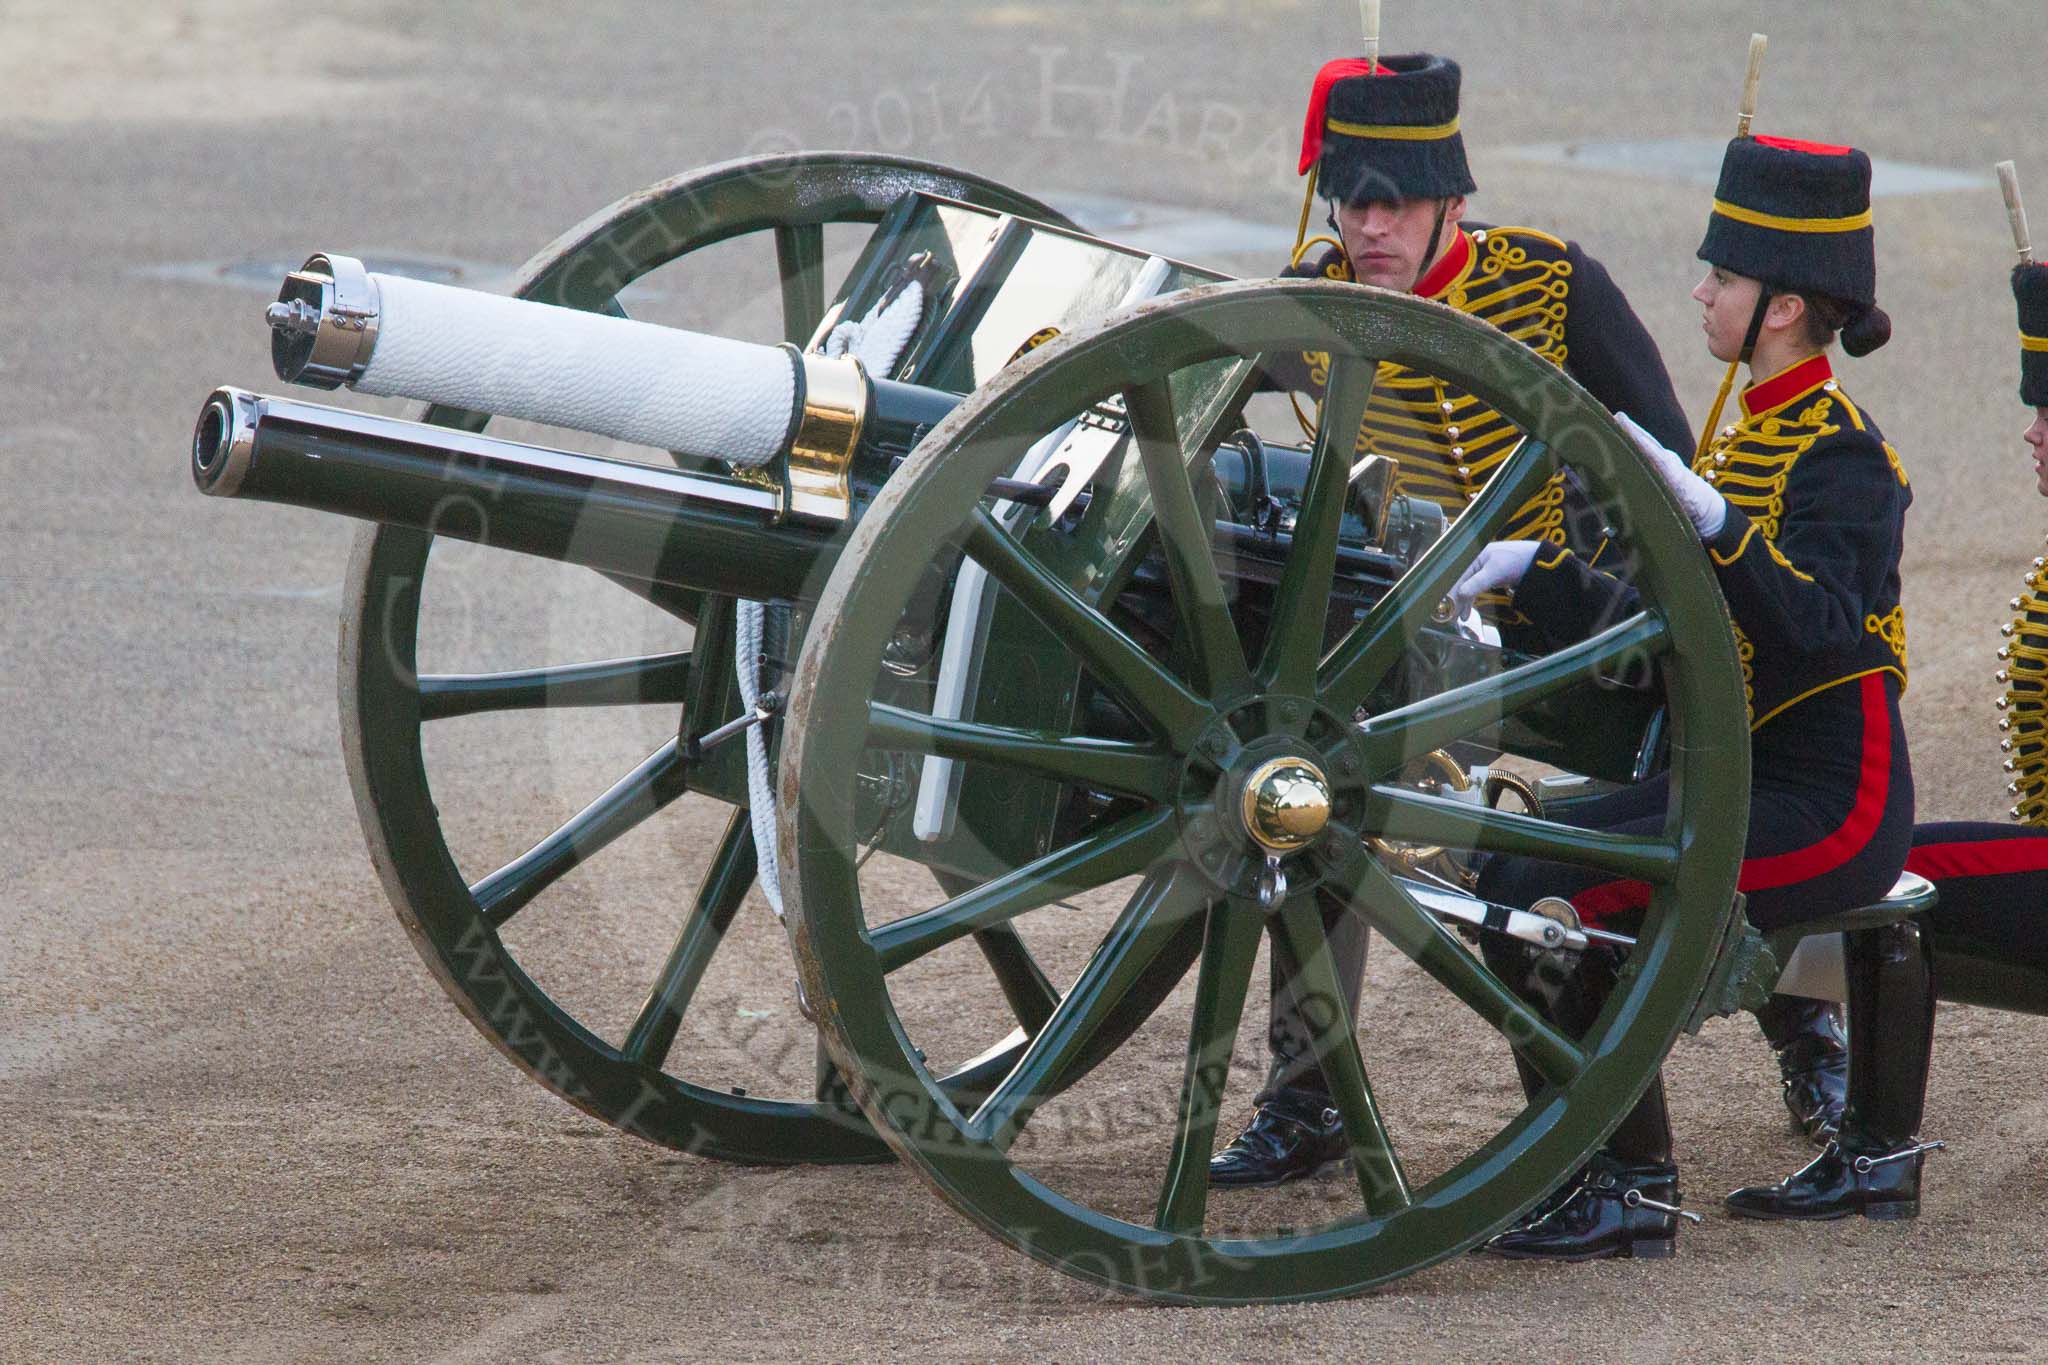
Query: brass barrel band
[835, 404]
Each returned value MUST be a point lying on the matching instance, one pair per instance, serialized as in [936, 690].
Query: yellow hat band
[2028, 343]
[1398, 132]
[1772, 220]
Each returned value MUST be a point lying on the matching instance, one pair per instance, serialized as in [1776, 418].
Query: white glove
[1707, 509]
[1500, 565]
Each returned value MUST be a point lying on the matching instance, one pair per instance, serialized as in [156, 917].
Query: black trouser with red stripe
[1830, 822]
[1990, 926]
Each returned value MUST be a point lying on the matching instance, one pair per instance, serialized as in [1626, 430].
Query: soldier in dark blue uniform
[1801, 505]
[1383, 147]
[1993, 879]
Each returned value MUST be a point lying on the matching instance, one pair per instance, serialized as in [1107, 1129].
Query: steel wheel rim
[586, 268]
[929, 499]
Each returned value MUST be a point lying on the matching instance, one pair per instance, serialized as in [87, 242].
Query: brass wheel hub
[1286, 803]
[1277, 779]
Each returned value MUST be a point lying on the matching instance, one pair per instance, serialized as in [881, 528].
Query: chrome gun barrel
[619, 517]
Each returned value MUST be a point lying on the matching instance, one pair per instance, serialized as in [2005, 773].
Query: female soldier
[1801, 505]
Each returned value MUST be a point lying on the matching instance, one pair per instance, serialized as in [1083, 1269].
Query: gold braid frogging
[2024, 726]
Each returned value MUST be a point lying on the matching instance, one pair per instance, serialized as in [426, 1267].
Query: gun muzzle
[619, 517]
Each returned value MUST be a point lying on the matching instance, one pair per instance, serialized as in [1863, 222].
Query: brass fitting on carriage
[833, 396]
[782, 421]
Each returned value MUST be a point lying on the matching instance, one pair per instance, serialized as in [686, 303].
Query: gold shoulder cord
[2023, 729]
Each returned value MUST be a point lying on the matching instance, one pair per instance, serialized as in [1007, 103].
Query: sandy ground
[242, 1123]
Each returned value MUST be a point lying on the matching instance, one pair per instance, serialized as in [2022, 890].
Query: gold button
[1728, 431]
[1457, 452]
[1453, 433]
[1479, 236]
[1829, 386]
[1464, 471]
[1447, 405]
[1721, 457]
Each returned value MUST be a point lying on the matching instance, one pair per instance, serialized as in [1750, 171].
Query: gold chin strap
[1720, 402]
[1302, 243]
[1308, 199]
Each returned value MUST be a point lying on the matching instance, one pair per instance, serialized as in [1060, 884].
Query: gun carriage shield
[1042, 618]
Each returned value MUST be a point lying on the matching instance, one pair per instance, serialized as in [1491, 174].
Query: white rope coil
[878, 339]
[633, 381]
[748, 623]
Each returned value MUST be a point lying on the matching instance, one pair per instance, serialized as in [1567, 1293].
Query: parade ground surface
[241, 1122]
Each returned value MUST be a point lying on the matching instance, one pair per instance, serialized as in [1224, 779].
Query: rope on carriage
[877, 341]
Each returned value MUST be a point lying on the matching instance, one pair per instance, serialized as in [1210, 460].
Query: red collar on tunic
[1447, 268]
[1787, 386]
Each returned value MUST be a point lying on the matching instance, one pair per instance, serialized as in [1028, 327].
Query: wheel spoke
[1231, 945]
[1114, 657]
[1294, 641]
[800, 259]
[658, 678]
[1376, 897]
[1368, 652]
[1394, 737]
[1124, 849]
[1223, 410]
[659, 779]
[719, 895]
[1115, 765]
[1031, 997]
[1380, 1177]
[1149, 921]
[1417, 817]
[1185, 538]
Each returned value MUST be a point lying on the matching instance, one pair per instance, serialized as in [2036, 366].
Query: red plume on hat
[1342, 69]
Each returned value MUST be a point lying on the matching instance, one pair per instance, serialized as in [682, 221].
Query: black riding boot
[1295, 1131]
[1873, 1167]
[1813, 1060]
[1624, 1202]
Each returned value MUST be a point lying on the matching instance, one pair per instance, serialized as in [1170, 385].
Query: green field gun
[992, 567]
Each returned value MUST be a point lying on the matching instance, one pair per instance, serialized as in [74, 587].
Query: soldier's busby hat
[1386, 131]
[2030, 289]
[1796, 215]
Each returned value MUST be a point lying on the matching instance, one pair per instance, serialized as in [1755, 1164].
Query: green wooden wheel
[635, 1078]
[1202, 712]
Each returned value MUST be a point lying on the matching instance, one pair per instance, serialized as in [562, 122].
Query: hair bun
[1867, 331]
